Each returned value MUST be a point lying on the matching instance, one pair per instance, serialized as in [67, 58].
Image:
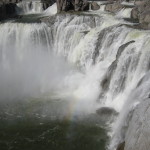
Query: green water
[23, 129]
[36, 124]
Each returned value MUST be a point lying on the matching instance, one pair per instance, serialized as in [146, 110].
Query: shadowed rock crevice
[7, 10]
[75, 5]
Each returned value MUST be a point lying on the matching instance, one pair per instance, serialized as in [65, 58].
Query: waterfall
[114, 58]
[29, 7]
[99, 62]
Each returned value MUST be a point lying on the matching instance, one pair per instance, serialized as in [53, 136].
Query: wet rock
[76, 5]
[47, 3]
[95, 6]
[106, 114]
[65, 5]
[145, 17]
[108, 7]
[85, 6]
[135, 13]
[121, 146]
[114, 7]
[106, 111]
[142, 13]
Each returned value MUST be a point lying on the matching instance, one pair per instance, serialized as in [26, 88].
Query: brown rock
[139, 3]
[108, 7]
[113, 7]
[147, 17]
[135, 13]
[95, 6]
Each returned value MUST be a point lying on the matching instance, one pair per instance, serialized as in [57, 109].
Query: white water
[29, 7]
[124, 13]
[52, 10]
[109, 73]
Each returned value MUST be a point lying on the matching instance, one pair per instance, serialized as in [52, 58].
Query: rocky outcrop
[95, 6]
[143, 9]
[107, 114]
[47, 3]
[75, 5]
[8, 9]
[140, 12]
[113, 7]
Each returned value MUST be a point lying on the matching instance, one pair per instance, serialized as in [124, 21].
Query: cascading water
[29, 6]
[113, 63]
[85, 63]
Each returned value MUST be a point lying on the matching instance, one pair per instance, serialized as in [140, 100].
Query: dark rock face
[134, 13]
[76, 5]
[47, 3]
[106, 114]
[121, 146]
[95, 6]
[7, 10]
[106, 111]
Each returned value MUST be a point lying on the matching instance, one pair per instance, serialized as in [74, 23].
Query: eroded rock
[95, 6]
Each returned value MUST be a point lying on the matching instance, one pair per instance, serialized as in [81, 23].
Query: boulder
[95, 6]
[114, 7]
[135, 13]
[106, 111]
[108, 7]
[106, 114]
